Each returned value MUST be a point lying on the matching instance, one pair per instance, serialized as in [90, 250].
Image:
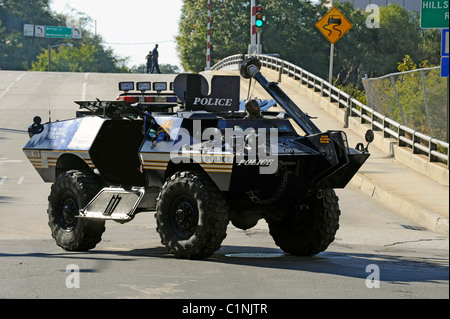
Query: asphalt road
[375, 255]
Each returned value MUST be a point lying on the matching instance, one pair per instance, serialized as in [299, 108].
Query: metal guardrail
[419, 143]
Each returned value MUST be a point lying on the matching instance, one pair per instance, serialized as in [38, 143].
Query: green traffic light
[259, 23]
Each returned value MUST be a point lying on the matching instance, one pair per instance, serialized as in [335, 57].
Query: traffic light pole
[208, 48]
[258, 42]
[252, 47]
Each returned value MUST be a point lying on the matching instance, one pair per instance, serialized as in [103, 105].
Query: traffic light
[259, 16]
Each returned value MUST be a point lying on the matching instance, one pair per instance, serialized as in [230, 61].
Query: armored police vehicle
[199, 160]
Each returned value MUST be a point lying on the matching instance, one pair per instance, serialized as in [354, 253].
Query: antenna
[49, 111]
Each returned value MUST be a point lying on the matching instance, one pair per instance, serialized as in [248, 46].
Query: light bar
[147, 99]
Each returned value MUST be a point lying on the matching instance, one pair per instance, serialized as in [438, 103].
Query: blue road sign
[444, 54]
[444, 67]
[444, 49]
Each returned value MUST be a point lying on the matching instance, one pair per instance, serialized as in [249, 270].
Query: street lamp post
[50, 53]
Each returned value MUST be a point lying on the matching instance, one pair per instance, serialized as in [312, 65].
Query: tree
[17, 51]
[84, 58]
[289, 30]
[86, 55]
[228, 37]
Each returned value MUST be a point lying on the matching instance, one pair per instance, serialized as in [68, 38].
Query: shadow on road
[393, 268]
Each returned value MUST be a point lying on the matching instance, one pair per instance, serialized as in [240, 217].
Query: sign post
[445, 68]
[334, 25]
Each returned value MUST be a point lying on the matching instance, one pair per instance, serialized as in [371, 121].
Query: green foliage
[401, 97]
[87, 56]
[354, 92]
[228, 19]
[18, 52]
[289, 30]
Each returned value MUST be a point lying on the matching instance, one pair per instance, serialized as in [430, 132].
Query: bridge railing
[436, 150]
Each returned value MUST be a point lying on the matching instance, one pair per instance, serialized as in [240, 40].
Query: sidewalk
[410, 194]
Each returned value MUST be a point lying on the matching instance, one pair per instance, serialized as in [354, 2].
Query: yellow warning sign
[334, 25]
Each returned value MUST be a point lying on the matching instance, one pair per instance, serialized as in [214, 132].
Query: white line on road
[3, 179]
[85, 83]
[10, 161]
[11, 85]
[20, 180]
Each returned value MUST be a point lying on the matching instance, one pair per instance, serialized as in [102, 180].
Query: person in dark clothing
[149, 58]
[253, 110]
[155, 64]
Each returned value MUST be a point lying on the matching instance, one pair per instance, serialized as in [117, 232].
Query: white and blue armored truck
[199, 160]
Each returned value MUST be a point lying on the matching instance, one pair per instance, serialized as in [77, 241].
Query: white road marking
[85, 83]
[11, 85]
[10, 161]
[20, 180]
[3, 179]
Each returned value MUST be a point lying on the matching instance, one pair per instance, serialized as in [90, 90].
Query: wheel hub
[184, 217]
[67, 211]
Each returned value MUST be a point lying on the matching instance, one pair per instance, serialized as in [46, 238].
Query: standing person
[149, 58]
[155, 60]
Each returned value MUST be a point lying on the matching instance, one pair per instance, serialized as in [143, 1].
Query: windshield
[283, 126]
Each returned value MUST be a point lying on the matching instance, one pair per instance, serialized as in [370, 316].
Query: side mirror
[369, 136]
[369, 139]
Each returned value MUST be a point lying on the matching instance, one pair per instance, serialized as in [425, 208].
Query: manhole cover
[255, 255]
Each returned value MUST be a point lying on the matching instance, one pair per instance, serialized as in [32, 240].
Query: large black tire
[191, 215]
[311, 228]
[72, 191]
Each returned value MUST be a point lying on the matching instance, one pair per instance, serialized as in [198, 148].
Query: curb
[403, 207]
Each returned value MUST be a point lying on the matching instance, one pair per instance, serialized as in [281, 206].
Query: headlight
[143, 86]
[126, 86]
[159, 86]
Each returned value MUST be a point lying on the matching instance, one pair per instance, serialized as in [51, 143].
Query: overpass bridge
[409, 184]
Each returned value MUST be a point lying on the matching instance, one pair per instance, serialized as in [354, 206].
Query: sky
[132, 27]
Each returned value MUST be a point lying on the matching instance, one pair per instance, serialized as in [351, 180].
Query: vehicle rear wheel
[191, 215]
[312, 226]
[72, 191]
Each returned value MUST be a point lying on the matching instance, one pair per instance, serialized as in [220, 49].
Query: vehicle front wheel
[311, 227]
[191, 215]
[72, 191]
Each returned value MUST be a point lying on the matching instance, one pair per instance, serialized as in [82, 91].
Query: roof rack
[122, 109]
